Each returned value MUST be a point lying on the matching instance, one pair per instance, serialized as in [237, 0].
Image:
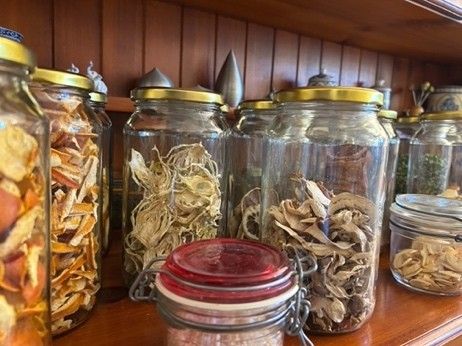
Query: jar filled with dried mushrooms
[24, 207]
[245, 156]
[426, 243]
[435, 157]
[174, 187]
[75, 194]
[405, 127]
[386, 118]
[323, 192]
[98, 102]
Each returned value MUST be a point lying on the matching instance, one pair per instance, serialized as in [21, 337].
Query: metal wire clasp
[143, 288]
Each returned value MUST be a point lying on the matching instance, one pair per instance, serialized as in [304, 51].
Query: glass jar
[24, 208]
[426, 244]
[98, 103]
[405, 127]
[386, 118]
[323, 191]
[435, 159]
[174, 161]
[227, 292]
[75, 194]
[245, 155]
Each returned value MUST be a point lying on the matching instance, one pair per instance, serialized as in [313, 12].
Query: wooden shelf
[400, 317]
[398, 27]
[119, 104]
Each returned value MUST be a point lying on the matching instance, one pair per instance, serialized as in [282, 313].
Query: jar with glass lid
[435, 158]
[245, 157]
[323, 191]
[387, 118]
[24, 208]
[98, 102]
[405, 127]
[75, 160]
[174, 162]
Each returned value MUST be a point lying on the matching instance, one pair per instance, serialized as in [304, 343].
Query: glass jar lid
[63, 78]
[98, 97]
[387, 114]
[16, 53]
[456, 115]
[339, 94]
[227, 271]
[257, 104]
[191, 95]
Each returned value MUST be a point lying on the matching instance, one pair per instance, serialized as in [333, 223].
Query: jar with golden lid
[75, 194]
[24, 208]
[323, 191]
[245, 158]
[174, 191]
[98, 102]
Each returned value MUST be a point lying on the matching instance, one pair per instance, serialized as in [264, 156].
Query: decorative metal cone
[229, 81]
[155, 78]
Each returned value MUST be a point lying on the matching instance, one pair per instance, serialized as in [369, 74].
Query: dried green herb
[401, 174]
[431, 175]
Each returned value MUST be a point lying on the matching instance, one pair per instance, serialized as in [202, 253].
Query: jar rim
[408, 120]
[388, 114]
[256, 104]
[180, 94]
[454, 115]
[64, 78]
[98, 97]
[17, 53]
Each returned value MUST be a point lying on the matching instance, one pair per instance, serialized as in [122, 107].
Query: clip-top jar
[435, 159]
[98, 102]
[323, 191]
[75, 194]
[245, 157]
[174, 187]
[24, 204]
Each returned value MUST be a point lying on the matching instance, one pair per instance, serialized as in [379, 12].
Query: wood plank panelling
[162, 43]
[368, 68]
[399, 83]
[285, 60]
[309, 59]
[385, 68]
[331, 59]
[349, 72]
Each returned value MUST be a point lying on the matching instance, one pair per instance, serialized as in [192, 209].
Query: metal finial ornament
[155, 78]
[98, 84]
[229, 81]
[73, 69]
[386, 91]
[322, 79]
[419, 95]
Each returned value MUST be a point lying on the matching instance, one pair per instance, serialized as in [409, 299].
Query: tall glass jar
[405, 127]
[387, 118]
[245, 156]
[75, 194]
[98, 103]
[24, 207]
[174, 162]
[435, 159]
[323, 191]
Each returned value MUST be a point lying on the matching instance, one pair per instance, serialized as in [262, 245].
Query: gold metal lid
[98, 97]
[345, 94]
[16, 53]
[407, 120]
[225, 108]
[70, 79]
[387, 114]
[176, 94]
[257, 104]
[457, 115]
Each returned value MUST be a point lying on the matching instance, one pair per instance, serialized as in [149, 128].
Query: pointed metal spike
[155, 78]
[229, 81]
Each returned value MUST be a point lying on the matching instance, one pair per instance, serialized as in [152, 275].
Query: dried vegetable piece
[341, 232]
[430, 265]
[181, 203]
[23, 306]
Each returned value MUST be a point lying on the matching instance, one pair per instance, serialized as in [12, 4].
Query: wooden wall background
[126, 38]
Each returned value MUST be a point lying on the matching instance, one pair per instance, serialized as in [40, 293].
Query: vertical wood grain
[162, 43]
[231, 35]
[33, 19]
[349, 66]
[198, 51]
[367, 68]
[331, 59]
[399, 84]
[309, 59]
[122, 44]
[259, 61]
[285, 60]
[70, 31]
[385, 68]
[436, 74]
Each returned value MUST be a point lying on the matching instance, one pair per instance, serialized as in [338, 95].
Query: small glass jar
[426, 244]
[323, 191]
[174, 164]
[227, 292]
[387, 118]
[245, 156]
[24, 208]
[435, 159]
[98, 103]
[405, 127]
[75, 194]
